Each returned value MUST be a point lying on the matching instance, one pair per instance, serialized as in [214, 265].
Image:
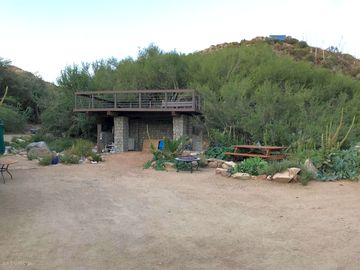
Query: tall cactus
[4, 96]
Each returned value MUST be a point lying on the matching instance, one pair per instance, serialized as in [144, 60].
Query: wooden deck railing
[183, 100]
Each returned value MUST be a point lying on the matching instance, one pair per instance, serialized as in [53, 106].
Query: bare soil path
[115, 215]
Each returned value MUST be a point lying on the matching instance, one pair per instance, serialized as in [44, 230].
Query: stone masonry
[181, 126]
[121, 133]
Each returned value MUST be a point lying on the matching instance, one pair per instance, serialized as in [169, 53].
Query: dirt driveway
[115, 215]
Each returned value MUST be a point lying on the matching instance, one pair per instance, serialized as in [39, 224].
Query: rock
[357, 147]
[35, 153]
[241, 176]
[169, 166]
[212, 164]
[215, 163]
[260, 177]
[309, 166]
[286, 176]
[230, 163]
[222, 171]
[153, 164]
[268, 178]
[225, 166]
[37, 150]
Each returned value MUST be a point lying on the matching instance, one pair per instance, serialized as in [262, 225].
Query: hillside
[24, 101]
[330, 58]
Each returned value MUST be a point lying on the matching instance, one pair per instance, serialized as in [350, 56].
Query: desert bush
[60, 144]
[223, 138]
[31, 155]
[21, 142]
[147, 164]
[82, 148]
[13, 119]
[95, 157]
[46, 160]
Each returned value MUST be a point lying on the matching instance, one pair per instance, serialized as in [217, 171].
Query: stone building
[127, 118]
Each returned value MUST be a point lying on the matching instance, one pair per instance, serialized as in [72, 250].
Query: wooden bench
[266, 152]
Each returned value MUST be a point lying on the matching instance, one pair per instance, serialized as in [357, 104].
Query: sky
[44, 36]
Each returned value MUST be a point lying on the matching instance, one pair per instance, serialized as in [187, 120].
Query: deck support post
[99, 138]
[121, 133]
[181, 126]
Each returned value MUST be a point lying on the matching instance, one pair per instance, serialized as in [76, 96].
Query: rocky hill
[331, 58]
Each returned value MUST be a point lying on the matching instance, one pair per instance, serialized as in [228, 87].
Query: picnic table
[261, 151]
[5, 163]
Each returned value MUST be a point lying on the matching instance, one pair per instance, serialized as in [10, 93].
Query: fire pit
[190, 160]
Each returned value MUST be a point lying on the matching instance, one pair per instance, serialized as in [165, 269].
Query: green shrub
[31, 155]
[218, 152]
[69, 158]
[21, 142]
[343, 164]
[13, 120]
[305, 176]
[252, 166]
[160, 165]
[172, 149]
[46, 160]
[147, 164]
[226, 137]
[82, 148]
[95, 157]
[279, 166]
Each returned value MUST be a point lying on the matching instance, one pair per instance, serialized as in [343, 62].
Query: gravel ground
[115, 215]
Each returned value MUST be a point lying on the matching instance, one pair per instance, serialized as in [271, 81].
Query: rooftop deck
[184, 100]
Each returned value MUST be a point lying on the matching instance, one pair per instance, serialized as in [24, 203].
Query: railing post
[75, 101]
[193, 100]
[115, 101]
[92, 101]
[165, 100]
[140, 100]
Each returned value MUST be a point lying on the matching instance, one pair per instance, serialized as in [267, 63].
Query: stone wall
[121, 133]
[142, 129]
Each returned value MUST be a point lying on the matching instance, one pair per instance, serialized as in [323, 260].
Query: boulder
[286, 176]
[212, 164]
[222, 172]
[230, 163]
[37, 150]
[225, 166]
[215, 163]
[153, 164]
[260, 177]
[241, 176]
[309, 166]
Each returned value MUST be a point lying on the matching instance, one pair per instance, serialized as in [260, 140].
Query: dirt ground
[115, 215]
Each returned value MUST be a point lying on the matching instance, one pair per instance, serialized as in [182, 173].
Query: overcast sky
[44, 36]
